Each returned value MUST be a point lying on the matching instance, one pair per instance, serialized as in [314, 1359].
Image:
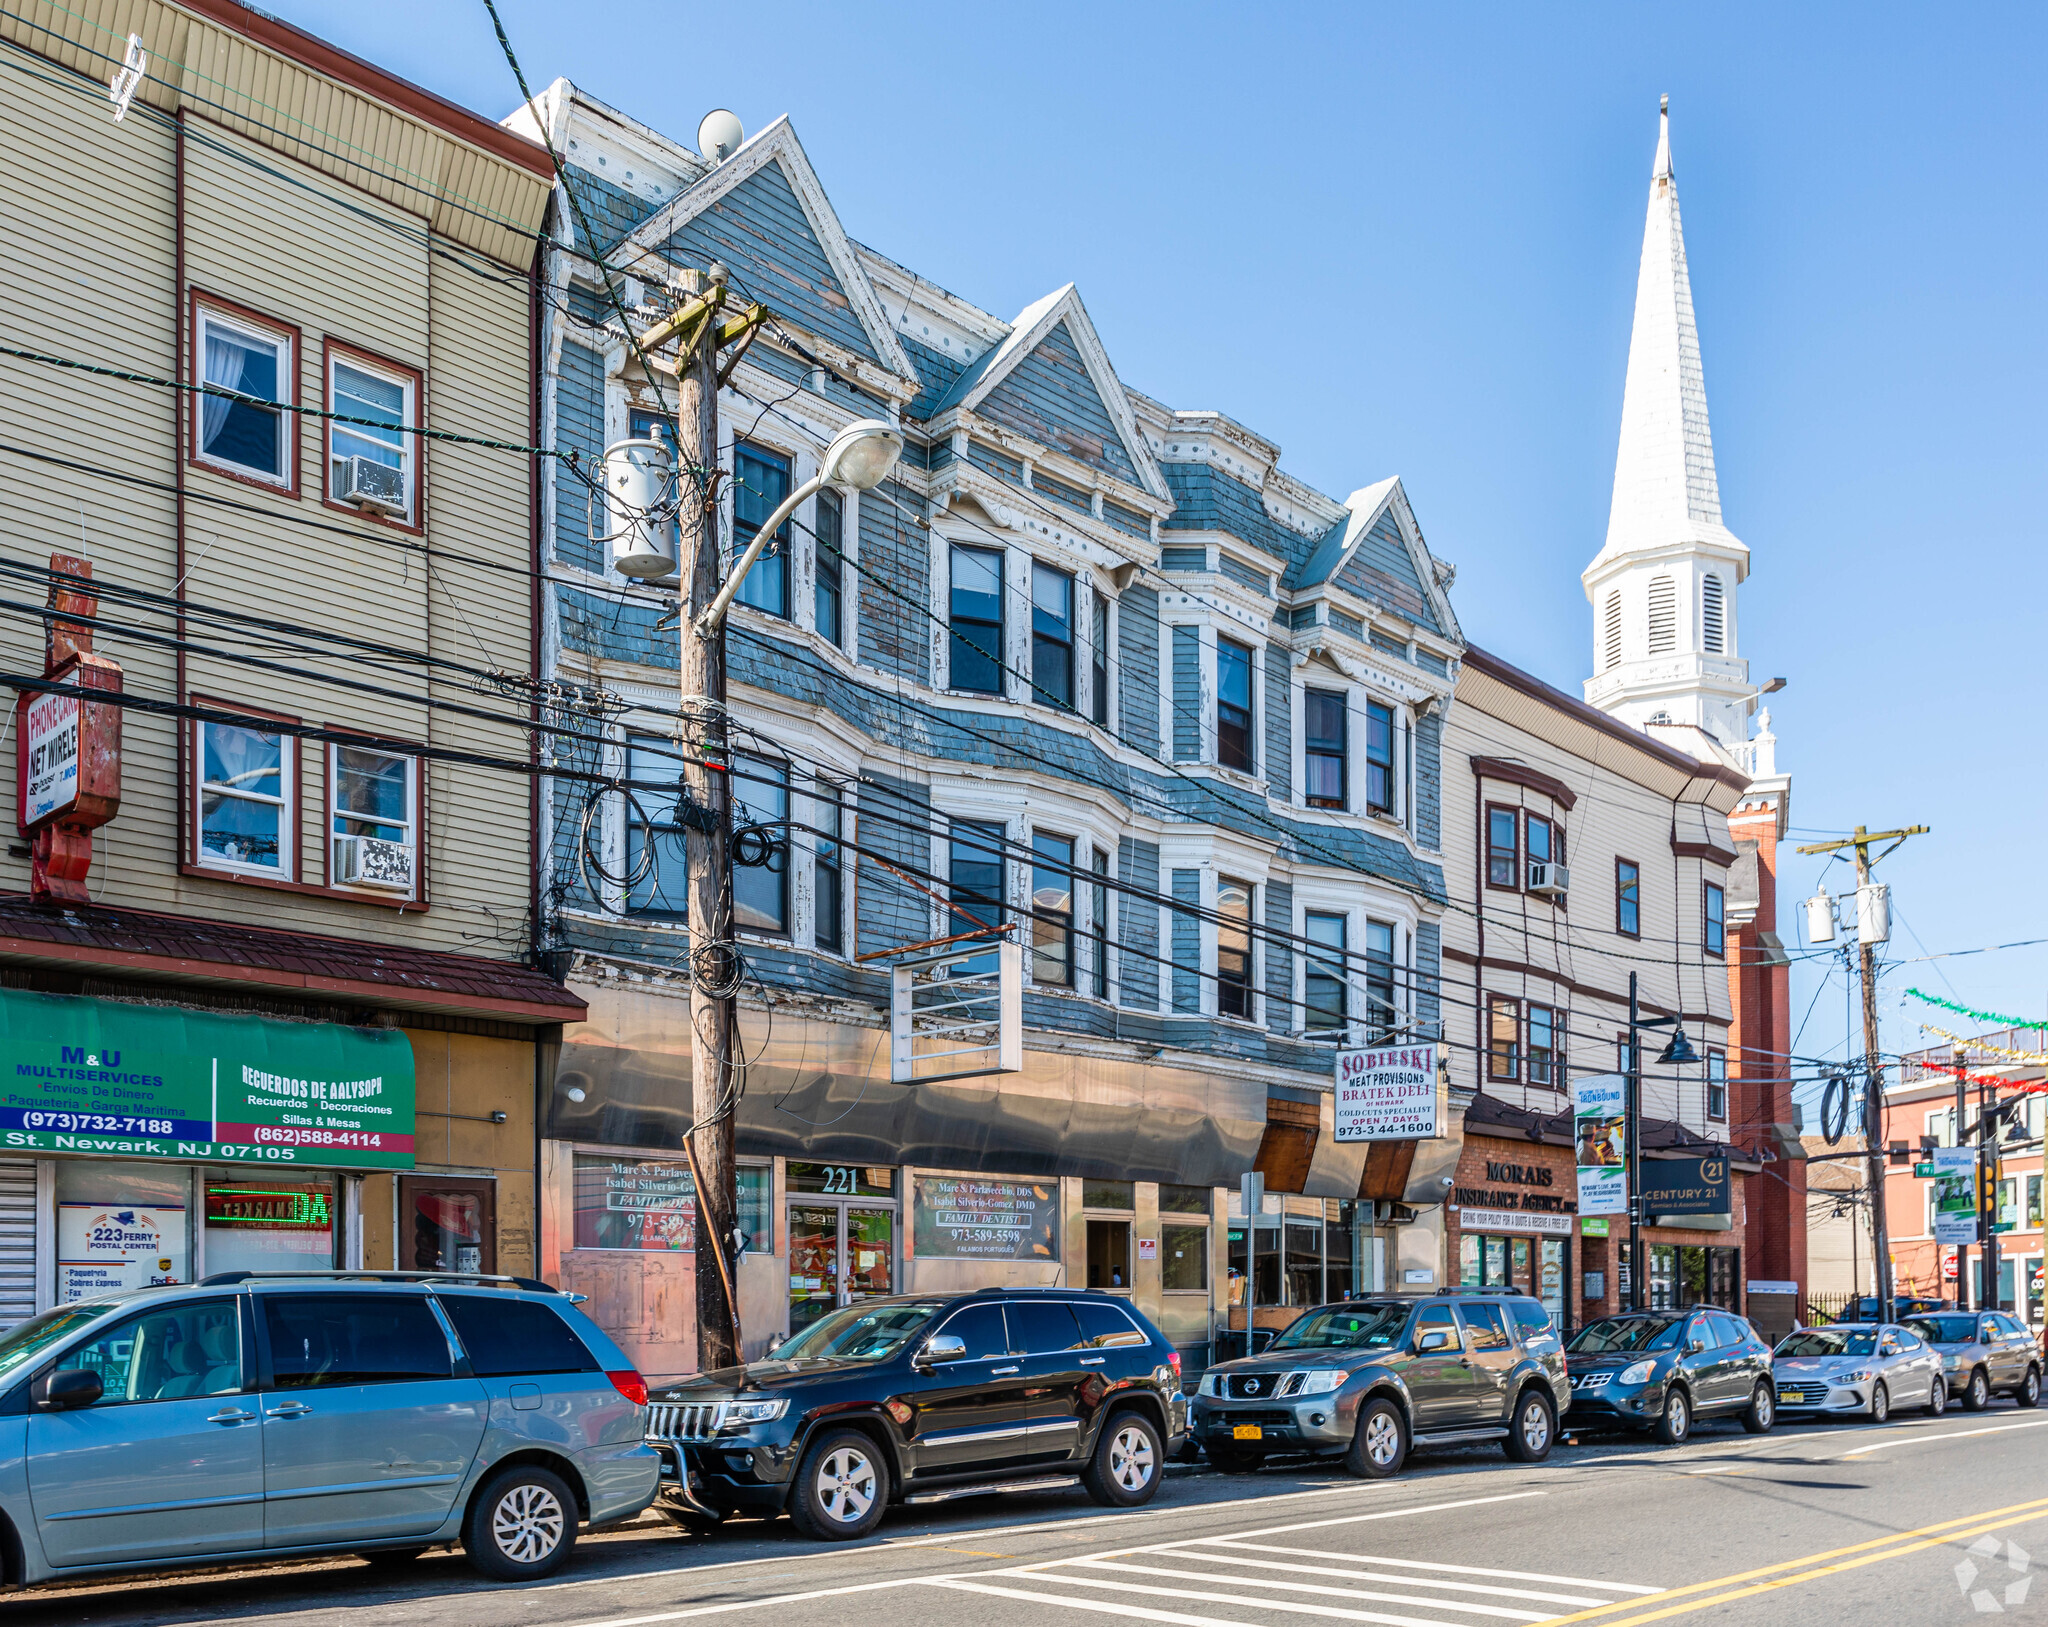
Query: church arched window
[1611, 630]
[1663, 615]
[1713, 617]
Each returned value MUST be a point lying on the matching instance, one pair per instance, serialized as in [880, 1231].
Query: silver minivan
[251, 1417]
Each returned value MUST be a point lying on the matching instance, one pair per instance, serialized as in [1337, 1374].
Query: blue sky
[1403, 241]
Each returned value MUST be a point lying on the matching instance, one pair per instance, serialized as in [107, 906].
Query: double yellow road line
[1681, 1601]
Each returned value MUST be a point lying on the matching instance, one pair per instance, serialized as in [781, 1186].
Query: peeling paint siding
[1187, 942]
[999, 464]
[1380, 568]
[1429, 963]
[579, 426]
[936, 371]
[1279, 725]
[1058, 491]
[760, 230]
[1187, 694]
[1429, 782]
[1207, 499]
[1281, 1015]
[609, 628]
[1049, 396]
[1127, 520]
[1137, 924]
[1137, 629]
[894, 634]
[889, 912]
[612, 211]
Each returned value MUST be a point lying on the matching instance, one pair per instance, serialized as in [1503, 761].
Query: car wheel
[1977, 1393]
[1762, 1411]
[1674, 1425]
[1937, 1396]
[522, 1525]
[2029, 1392]
[842, 1487]
[1124, 1470]
[1533, 1430]
[1233, 1459]
[1379, 1445]
[1880, 1402]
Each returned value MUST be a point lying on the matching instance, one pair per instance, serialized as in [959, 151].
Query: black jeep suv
[1367, 1379]
[923, 1398]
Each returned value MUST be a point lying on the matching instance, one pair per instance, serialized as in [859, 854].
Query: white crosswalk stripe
[1264, 1585]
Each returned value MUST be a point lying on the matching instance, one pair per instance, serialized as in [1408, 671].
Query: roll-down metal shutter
[17, 1240]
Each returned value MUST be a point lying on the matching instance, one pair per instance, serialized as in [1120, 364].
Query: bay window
[1325, 740]
[1234, 948]
[1234, 705]
[760, 483]
[1382, 1010]
[1326, 985]
[975, 615]
[1379, 758]
[1052, 909]
[1052, 637]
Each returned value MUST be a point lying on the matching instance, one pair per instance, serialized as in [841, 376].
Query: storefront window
[649, 1203]
[1663, 1277]
[121, 1226]
[843, 1180]
[1194, 1200]
[1304, 1261]
[1550, 1277]
[258, 1224]
[1107, 1195]
[1183, 1259]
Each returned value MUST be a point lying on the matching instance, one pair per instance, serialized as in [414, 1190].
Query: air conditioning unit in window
[1549, 880]
[370, 484]
[365, 861]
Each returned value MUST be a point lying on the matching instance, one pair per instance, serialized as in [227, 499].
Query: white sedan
[1864, 1368]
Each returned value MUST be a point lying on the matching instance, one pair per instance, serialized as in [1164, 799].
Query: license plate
[1794, 1396]
[1246, 1432]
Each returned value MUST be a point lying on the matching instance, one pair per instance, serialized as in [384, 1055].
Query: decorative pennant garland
[2038, 1058]
[1991, 1018]
[2025, 1087]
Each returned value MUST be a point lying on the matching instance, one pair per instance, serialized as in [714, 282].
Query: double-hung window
[760, 483]
[1052, 909]
[657, 855]
[825, 568]
[1503, 1037]
[975, 612]
[1326, 985]
[375, 798]
[975, 876]
[1233, 948]
[251, 359]
[1541, 842]
[1099, 661]
[760, 797]
[1545, 1053]
[1503, 849]
[1233, 705]
[1717, 1086]
[1714, 919]
[245, 800]
[1052, 637]
[1379, 758]
[1098, 915]
[1628, 898]
[1325, 741]
[1382, 1010]
[388, 398]
[828, 820]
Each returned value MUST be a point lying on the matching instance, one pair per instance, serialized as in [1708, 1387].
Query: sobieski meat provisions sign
[122, 1081]
[1387, 1094]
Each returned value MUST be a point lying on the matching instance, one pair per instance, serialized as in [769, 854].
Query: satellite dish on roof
[719, 136]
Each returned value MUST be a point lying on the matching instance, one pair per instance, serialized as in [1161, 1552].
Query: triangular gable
[1376, 551]
[1051, 379]
[764, 215]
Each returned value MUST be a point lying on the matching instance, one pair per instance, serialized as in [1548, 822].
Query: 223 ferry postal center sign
[92, 1076]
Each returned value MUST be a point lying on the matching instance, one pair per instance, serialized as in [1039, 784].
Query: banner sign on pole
[1599, 1128]
[1955, 1205]
[1387, 1094]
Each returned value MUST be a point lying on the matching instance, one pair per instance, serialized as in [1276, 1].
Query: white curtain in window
[225, 361]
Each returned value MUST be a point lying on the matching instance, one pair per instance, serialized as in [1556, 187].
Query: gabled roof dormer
[1051, 380]
[1377, 553]
[764, 215]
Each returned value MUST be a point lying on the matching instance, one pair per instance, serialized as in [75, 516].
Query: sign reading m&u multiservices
[128, 1081]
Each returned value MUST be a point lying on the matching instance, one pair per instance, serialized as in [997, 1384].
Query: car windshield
[1345, 1327]
[1617, 1333]
[1829, 1342]
[31, 1339]
[1945, 1330]
[860, 1332]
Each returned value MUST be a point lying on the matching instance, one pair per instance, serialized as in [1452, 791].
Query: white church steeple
[1663, 585]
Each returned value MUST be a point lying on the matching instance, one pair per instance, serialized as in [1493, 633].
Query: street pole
[1632, 1134]
[1962, 1249]
[708, 839]
[1987, 1197]
[1873, 1108]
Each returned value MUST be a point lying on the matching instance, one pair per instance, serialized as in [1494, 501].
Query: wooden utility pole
[1873, 1068]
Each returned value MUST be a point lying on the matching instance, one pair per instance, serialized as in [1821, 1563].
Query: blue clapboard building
[1086, 661]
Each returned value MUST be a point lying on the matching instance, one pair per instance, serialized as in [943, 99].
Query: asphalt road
[1921, 1521]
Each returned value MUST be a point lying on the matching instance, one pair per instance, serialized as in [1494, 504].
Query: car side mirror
[66, 1388]
[1694, 1346]
[942, 1347]
[1434, 1339]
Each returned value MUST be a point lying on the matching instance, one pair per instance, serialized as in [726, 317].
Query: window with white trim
[374, 815]
[359, 389]
[241, 436]
[245, 812]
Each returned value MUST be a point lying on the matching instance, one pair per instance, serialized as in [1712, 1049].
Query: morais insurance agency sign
[121, 1081]
[1388, 1093]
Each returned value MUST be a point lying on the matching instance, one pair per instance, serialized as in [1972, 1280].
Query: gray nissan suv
[258, 1417]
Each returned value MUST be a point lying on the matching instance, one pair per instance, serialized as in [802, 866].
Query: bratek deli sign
[120, 1081]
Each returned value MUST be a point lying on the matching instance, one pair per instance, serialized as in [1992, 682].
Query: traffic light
[1987, 1181]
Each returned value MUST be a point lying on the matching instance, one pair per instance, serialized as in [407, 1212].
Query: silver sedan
[1854, 1368]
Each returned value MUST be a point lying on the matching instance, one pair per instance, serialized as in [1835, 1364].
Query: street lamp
[861, 456]
[1677, 1054]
